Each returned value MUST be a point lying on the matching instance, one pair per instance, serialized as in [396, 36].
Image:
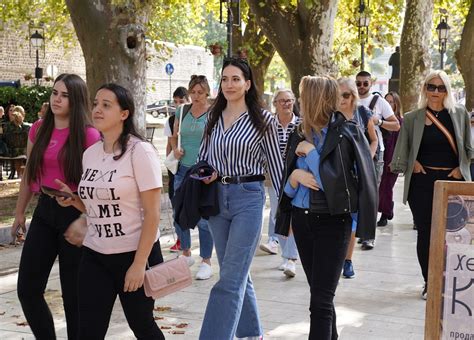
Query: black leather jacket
[346, 189]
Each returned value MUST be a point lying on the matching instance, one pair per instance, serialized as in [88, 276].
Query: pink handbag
[167, 277]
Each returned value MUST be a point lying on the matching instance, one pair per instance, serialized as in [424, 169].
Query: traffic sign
[169, 68]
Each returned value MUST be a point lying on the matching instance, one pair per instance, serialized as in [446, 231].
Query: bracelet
[381, 122]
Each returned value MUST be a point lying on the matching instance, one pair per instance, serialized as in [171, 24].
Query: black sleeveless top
[435, 150]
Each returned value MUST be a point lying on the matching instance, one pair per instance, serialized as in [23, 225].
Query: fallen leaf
[15, 316]
[158, 318]
[22, 323]
[2, 313]
[165, 327]
[162, 309]
[182, 325]
[176, 332]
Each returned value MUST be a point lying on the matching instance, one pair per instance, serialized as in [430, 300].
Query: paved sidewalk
[381, 302]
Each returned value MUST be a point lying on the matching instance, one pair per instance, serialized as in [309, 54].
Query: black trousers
[420, 199]
[101, 279]
[44, 242]
[170, 185]
[322, 242]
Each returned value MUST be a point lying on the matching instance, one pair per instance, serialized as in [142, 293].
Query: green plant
[31, 98]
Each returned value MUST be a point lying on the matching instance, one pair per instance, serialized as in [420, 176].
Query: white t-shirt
[382, 109]
[110, 190]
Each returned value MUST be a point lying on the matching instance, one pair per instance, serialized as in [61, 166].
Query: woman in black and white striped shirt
[286, 120]
[241, 143]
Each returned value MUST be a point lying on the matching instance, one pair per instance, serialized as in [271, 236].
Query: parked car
[161, 108]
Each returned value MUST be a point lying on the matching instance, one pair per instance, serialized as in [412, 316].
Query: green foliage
[277, 75]
[384, 30]
[31, 98]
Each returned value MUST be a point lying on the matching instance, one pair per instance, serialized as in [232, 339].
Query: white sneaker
[271, 247]
[189, 260]
[290, 270]
[204, 272]
[283, 265]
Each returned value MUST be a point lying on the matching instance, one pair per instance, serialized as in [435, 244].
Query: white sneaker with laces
[271, 247]
[189, 260]
[283, 265]
[290, 270]
[204, 272]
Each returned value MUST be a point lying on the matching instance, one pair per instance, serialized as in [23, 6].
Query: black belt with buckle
[240, 179]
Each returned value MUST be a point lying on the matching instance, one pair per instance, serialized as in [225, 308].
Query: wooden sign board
[450, 305]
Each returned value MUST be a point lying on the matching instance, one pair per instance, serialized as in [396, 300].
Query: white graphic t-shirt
[110, 190]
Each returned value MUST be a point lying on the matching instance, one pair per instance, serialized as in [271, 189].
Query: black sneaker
[424, 292]
[382, 222]
[368, 244]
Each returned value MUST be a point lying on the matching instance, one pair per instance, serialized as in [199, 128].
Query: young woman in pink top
[54, 150]
[120, 193]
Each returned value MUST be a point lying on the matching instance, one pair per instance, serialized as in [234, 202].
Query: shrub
[31, 98]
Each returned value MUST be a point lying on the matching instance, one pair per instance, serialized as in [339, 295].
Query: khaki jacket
[409, 140]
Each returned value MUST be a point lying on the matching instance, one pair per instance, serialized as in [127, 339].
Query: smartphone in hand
[54, 192]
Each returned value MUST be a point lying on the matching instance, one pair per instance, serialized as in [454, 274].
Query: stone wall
[16, 62]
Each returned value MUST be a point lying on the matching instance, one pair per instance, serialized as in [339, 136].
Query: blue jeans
[287, 244]
[232, 307]
[205, 238]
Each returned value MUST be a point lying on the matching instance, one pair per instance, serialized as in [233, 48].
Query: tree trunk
[415, 61]
[112, 38]
[302, 37]
[465, 57]
[257, 47]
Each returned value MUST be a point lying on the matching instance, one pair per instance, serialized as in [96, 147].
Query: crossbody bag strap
[443, 129]
[184, 111]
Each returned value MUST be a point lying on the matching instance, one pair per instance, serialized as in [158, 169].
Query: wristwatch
[379, 122]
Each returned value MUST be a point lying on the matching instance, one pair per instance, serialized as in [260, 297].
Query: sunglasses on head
[346, 95]
[201, 77]
[362, 83]
[433, 88]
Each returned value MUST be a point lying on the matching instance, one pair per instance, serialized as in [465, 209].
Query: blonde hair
[448, 102]
[280, 91]
[318, 97]
[20, 110]
[16, 117]
[351, 85]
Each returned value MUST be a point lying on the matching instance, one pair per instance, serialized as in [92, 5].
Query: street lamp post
[37, 41]
[443, 33]
[233, 14]
[363, 25]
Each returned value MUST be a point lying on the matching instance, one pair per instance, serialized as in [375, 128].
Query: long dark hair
[398, 103]
[70, 156]
[252, 99]
[125, 101]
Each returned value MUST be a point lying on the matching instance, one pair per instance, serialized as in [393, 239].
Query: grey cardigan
[409, 140]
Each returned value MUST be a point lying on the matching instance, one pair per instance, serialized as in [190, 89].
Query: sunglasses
[285, 101]
[346, 95]
[201, 77]
[433, 88]
[362, 83]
